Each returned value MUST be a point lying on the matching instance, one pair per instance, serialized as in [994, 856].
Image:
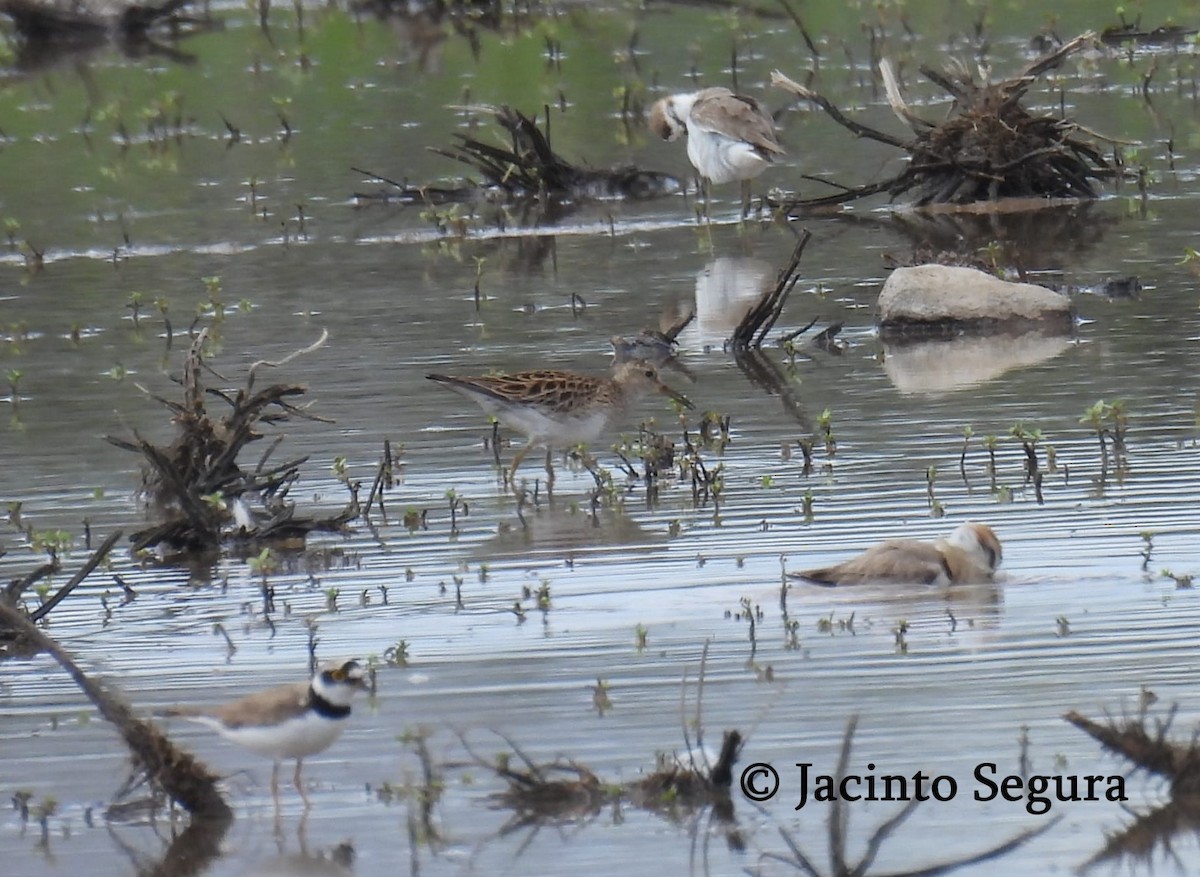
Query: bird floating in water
[969, 555]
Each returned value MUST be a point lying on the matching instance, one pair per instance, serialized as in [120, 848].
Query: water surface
[1076, 621]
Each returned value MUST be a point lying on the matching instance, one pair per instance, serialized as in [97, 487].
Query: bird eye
[649, 372]
[338, 675]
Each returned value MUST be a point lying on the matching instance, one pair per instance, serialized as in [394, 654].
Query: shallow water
[1074, 623]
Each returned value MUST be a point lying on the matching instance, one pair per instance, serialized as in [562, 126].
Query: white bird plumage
[729, 136]
[288, 721]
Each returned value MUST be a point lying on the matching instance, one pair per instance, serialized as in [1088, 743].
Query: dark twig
[84, 571]
[754, 327]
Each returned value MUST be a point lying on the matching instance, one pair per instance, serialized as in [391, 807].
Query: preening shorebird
[970, 554]
[729, 136]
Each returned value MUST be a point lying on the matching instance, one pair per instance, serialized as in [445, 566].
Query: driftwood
[1151, 751]
[197, 484]
[45, 29]
[840, 864]
[175, 771]
[989, 148]
[1133, 32]
[542, 794]
[747, 339]
[752, 330]
[1144, 743]
[528, 169]
[47, 20]
[11, 643]
[562, 790]
[677, 785]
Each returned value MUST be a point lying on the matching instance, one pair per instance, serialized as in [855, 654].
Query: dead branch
[527, 169]
[754, 326]
[264, 363]
[84, 571]
[989, 148]
[197, 483]
[1129, 737]
[185, 779]
[857, 128]
[46, 30]
[840, 865]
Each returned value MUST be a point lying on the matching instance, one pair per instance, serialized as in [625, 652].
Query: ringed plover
[969, 555]
[288, 721]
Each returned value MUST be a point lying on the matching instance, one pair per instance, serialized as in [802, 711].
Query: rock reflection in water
[937, 367]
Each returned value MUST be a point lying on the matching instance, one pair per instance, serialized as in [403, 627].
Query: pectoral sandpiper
[558, 408]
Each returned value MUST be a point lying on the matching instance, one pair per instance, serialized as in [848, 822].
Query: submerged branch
[185, 779]
[758, 321]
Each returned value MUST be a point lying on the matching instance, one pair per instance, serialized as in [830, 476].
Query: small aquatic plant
[1182, 582]
[35, 259]
[42, 811]
[14, 376]
[968, 433]
[806, 506]
[805, 444]
[825, 425]
[791, 635]
[264, 563]
[219, 630]
[52, 542]
[936, 509]
[134, 306]
[600, 699]
[1147, 548]
[1029, 439]
[396, 655]
[990, 443]
[479, 260]
[1109, 422]
[457, 504]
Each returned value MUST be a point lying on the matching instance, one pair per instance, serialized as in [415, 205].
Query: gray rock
[933, 300]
